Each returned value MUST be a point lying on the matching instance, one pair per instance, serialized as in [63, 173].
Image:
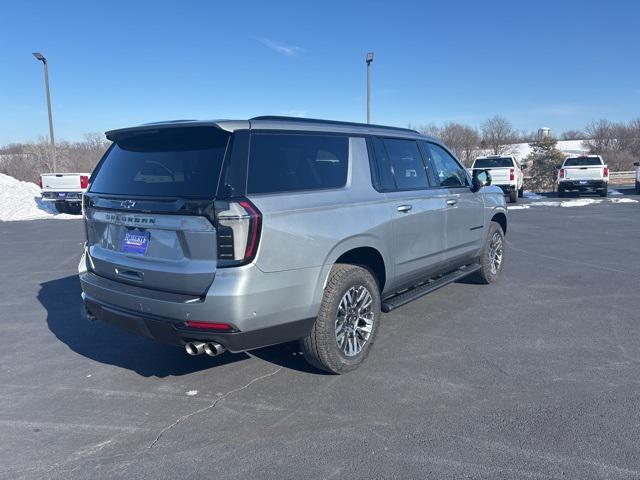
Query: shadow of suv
[235, 235]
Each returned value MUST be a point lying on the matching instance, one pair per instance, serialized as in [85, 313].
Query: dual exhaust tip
[213, 349]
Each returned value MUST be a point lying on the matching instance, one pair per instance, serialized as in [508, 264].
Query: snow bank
[578, 202]
[568, 147]
[21, 201]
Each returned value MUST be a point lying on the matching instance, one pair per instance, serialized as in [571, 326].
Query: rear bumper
[583, 185]
[67, 197]
[172, 332]
[264, 308]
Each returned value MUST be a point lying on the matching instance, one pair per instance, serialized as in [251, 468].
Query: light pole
[369, 60]
[41, 58]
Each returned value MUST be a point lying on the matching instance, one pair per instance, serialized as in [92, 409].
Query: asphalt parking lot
[537, 376]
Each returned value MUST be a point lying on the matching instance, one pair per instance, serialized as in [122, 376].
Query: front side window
[295, 162]
[408, 167]
[448, 171]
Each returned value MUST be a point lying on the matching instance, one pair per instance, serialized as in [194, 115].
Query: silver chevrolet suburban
[235, 235]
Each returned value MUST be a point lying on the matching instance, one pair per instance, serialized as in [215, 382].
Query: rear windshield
[176, 162]
[295, 162]
[582, 162]
[501, 162]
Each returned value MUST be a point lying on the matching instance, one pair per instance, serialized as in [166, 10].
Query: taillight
[562, 173]
[238, 224]
[512, 174]
[84, 181]
[605, 172]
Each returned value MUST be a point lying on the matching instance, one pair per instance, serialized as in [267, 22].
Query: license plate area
[135, 241]
[582, 182]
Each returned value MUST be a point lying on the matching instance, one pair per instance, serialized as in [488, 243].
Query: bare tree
[572, 135]
[497, 134]
[463, 140]
[601, 136]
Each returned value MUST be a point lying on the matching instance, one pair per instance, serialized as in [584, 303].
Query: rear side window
[501, 162]
[295, 162]
[176, 162]
[447, 170]
[582, 162]
[408, 167]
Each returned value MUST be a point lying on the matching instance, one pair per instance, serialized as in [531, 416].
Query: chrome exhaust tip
[213, 349]
[194, 348]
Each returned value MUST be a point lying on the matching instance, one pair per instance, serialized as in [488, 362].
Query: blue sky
[539, 63]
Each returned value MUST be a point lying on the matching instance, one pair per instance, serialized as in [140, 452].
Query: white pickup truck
[65, 189]
[586, 173]
[505, 172]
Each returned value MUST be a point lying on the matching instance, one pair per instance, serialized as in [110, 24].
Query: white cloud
[281, 48]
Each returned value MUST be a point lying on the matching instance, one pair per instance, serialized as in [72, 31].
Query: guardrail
[622, 177]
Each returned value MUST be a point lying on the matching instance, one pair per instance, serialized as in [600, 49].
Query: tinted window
[383, 166]
[582, 162]
[180, 162]
[406, 161]
[289, 162]
[447, 170]
[502, 162]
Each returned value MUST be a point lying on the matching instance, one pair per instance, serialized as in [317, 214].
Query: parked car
[586, 173]
[637, 165]
[235, 235]
[65, 189]
[505, 172]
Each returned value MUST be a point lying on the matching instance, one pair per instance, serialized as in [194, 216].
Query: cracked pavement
[537, 376]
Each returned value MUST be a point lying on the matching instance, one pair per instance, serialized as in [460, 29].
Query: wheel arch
[501, 219]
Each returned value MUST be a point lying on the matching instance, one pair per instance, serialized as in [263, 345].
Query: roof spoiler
[149, 128]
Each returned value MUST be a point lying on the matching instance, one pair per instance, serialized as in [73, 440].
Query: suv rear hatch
[150, 212]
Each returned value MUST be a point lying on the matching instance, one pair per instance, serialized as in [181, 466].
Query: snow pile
[532, 195]
[21, 201]
[578, 202]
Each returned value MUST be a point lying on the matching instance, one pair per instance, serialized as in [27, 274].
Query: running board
[418, 291]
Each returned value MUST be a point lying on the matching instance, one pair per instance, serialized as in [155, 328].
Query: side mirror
[636, 164]
[558, 167]
[523, 167]
[479, 179]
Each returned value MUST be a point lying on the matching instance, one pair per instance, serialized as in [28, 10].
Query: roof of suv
[275, 123]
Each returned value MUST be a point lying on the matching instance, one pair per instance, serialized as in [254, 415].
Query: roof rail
[278, 118]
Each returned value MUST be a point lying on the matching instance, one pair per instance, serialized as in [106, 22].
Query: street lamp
[369, 60]
[41, 58]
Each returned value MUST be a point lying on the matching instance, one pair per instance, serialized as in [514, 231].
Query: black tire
[74, 208]
[561, 192]
[321, 347]
[486, 275]
[604, 192]
[61, 207]
[638, 188]
[513, 196]
[521, 192]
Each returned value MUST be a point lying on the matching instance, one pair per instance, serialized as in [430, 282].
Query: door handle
[405, 208]
[451, 202]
